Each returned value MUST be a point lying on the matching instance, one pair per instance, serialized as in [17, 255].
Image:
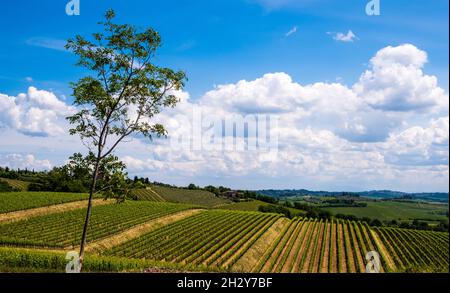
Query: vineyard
[15, 201]
[414, 250]
[186, 196]
[63, 229]
[17, 184]
[212, 238]
[317, 246]
[148, 233]
[147, 194]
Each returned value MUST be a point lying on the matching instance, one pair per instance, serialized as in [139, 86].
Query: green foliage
[277, 209]
[5, 187]
[12, 185]
[125, 88]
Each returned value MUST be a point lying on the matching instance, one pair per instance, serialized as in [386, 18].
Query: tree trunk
[88, 213]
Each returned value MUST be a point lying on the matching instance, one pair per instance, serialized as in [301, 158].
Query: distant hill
[380, 194]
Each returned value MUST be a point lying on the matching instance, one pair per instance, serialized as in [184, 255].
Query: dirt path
[25, 214]
[138, 230]
[326, 255]
[251, 258]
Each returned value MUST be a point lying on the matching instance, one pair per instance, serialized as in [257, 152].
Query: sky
[360, 102]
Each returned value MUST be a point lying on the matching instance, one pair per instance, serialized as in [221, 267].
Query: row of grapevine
[419, 251]
[64, 229]
[212, 238]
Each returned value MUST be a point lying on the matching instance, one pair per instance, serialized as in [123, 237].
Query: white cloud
[342, 37]
[420, 145]
[24, 161]
[37, 112]
[396, 82]
[48, 43]
[291, 31]
[389, 127]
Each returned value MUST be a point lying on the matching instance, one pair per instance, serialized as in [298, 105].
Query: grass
[18, 184]
[395, 210]
[186, 196]
[15, 201]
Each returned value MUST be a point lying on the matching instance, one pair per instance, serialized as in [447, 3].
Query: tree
[123, 93]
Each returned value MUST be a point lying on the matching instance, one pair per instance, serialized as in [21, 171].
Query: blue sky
[224, 41]
[220, 42]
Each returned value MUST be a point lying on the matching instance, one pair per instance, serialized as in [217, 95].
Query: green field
[186, 196]
[395, 210]
[14, 201]
[18, 184]
[64, 229]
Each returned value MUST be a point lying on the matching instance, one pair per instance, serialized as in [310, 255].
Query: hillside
[140, 235]
[187, 196]
[17, 184]
[379, 194]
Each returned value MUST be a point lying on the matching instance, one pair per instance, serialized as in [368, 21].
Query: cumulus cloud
[390, 125]
[396, 82]
[24, 161]
[420, 145]
[37, 112]
[342, 37]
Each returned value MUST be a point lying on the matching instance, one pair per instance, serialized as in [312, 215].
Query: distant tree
[192, 186]
[376, 223]
[404, 225]
[121, 96]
